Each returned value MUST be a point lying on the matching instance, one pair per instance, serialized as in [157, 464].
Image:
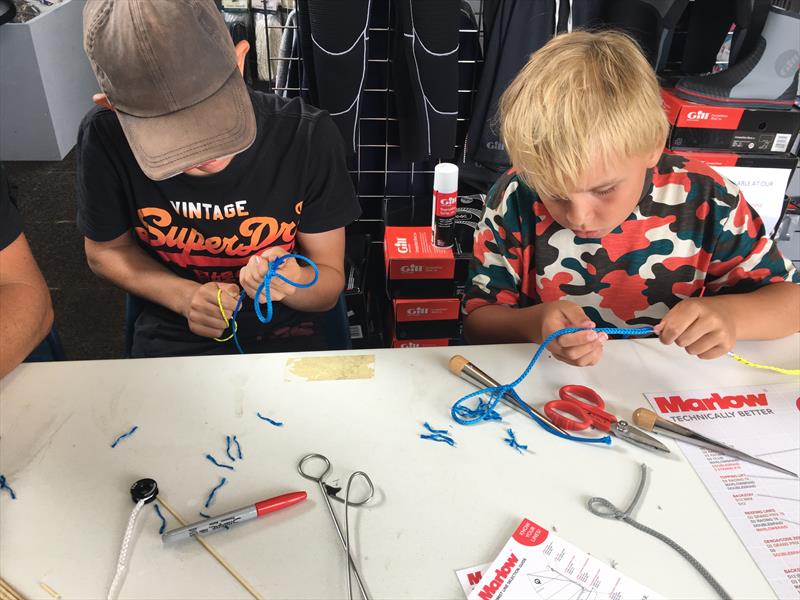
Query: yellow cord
[744, 361]
[224, 317]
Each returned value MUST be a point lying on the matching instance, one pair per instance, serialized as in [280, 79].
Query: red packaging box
[419, 343]
[426, 318]
[743, 130]
[415, 268]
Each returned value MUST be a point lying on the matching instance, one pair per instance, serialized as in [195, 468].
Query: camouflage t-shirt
[692, 230]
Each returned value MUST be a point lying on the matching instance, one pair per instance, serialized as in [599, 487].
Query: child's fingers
[582, 355]
[713, 352]
[579, 338]
[705, 343]
[693, 333]
[675, 323]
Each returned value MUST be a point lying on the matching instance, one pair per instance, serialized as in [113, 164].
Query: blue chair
[335, 324]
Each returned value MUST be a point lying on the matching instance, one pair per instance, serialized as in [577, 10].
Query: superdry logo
[500, 575]
[713, 402]
[697, 115]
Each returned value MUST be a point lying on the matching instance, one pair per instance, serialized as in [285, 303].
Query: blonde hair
[583, 96]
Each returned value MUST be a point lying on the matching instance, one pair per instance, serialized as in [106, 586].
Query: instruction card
[762, 505]
[536, 564]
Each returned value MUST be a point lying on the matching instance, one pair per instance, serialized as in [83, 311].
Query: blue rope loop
[264, 286]
[485, 409]
[272, 272]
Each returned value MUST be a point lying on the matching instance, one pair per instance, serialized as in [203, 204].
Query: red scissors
[587, 407]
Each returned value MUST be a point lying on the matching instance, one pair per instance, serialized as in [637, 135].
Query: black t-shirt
[10, 228]
[292, 179]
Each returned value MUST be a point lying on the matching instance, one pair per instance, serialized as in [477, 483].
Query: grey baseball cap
[169, 68]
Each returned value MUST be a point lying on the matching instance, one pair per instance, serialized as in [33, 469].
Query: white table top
[437, 508]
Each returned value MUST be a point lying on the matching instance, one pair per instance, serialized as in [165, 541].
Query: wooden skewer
[226, 565]
[7, 592]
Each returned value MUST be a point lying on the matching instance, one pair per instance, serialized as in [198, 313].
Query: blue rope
[437, 435]
[432, 430]
[228, 448]
[219, 464]
[485, 411]
[5, 486]
[238, 447]
[204, 515]
[163, 520]
[264, 286]
[268, 420]
[511, 440]
[213, 492]
[123, 436]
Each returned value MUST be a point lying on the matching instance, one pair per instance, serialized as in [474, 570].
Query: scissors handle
[581, 421]
[582, 395]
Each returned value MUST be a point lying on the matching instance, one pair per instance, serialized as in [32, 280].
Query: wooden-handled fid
[645, 419]
[650, 421]
[461, 367]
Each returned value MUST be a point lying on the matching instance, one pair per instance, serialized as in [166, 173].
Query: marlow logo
[501, 574]
[713, 402]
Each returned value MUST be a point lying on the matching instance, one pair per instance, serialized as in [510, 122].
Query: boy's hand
[582, 348]
[252, 274]
[203, 311]
[699, 326]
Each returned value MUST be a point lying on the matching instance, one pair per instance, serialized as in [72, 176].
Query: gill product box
[743, 130]
[426, 318]
[419, 343]
[415, 268]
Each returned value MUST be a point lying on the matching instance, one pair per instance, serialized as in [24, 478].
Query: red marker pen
[259, 509]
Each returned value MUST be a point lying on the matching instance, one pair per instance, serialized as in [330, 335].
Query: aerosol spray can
[445, 192]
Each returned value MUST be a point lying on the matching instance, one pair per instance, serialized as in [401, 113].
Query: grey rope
[603, 508]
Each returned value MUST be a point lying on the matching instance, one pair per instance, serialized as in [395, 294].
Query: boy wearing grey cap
[189, 183]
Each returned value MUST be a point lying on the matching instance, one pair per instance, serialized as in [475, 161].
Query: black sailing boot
[766, 78]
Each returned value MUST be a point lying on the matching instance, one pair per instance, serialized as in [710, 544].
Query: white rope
[122, 562]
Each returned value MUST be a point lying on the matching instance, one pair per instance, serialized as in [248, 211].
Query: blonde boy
[596, 226]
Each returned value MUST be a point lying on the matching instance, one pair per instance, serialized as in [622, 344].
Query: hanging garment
[268, 33]
[649, 22]
[470, 63]
[709, 23]
[425, 72]
[518, 29]
[334, 36]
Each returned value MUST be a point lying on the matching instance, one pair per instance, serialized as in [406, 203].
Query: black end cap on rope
[144, 489]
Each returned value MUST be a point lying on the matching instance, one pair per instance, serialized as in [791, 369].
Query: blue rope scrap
[238, 447]
[268, 420]
[4, 486]
[160, 516]
[511, 440]
[123, 436]
[218, 464]
[264, 286]
[485, 410]
[437, 435]
[228, 448]
[213, 493]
